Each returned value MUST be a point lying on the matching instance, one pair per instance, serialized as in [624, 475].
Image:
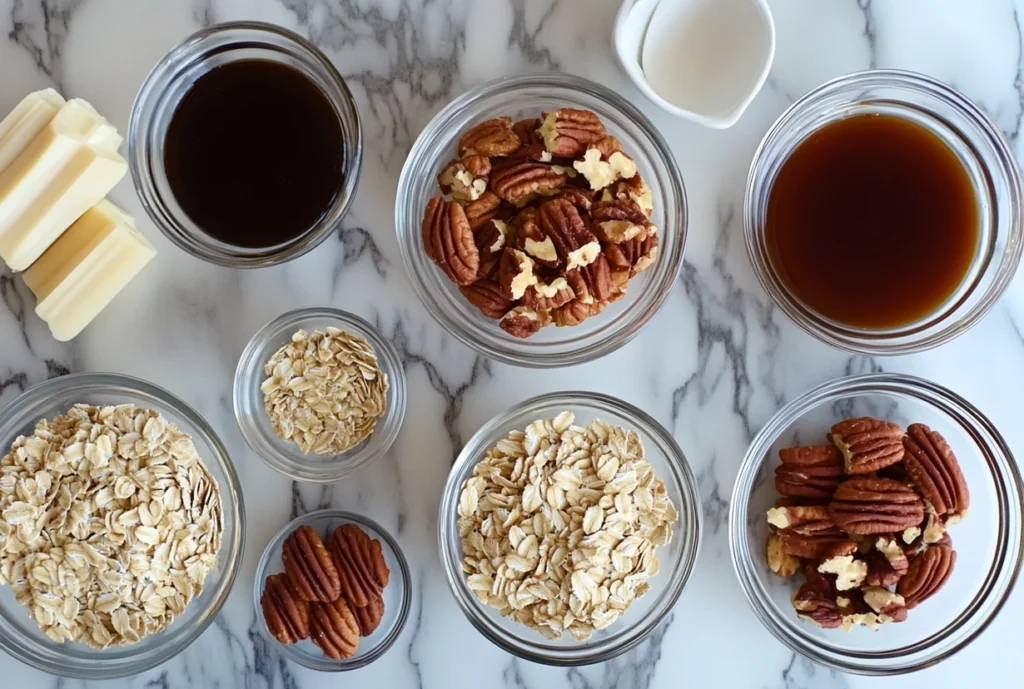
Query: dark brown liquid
[872, 221]
[254, 153]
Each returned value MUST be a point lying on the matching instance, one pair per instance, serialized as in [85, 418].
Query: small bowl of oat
[319, 393]
[143, 499]
[569, 527]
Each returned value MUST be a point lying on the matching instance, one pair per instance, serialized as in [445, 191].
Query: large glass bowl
[677, 558]
[527, 96]
[19, 634]
[976, 141]
[988, 540]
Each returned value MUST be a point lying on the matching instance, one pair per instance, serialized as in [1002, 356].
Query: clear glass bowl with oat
[604, 630]
[20, 635]
[319, 393]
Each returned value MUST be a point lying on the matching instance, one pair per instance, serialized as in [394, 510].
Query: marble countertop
[713, 366]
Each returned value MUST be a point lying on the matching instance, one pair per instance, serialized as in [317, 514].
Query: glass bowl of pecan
[325, 555]
[349, 394]
[144, 565]
[875, 525]
[541, 219]
[569, 527]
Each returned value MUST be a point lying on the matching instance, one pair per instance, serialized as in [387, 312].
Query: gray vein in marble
[870, 31]
[40, 28]
[14, 300]
[356, 244]
[267, 663]
[634, 670]
[715, 505]
[801, 673]
[526, 40]
[1018, 82]
[323, 501]
[416, 623]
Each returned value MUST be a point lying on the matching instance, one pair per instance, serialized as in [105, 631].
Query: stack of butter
[58, 160]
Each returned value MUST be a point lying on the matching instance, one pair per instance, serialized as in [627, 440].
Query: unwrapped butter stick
[29, 117]
[86, 268]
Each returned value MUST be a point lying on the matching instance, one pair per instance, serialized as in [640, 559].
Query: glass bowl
[397, 594]
[19, 635]
[164, 88]
[528, 96]
[284, 455]
[677, 558]
[974, 139]
[988, 540]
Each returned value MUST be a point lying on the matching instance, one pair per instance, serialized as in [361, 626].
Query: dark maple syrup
[254, 153]
[872, 221]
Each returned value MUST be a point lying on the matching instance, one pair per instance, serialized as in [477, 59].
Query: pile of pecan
[864, 518]
[332, 594]
[541, 221]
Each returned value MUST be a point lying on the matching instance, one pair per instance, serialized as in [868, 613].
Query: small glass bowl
[397, 594]
[988, 540]
[284, 455]
[19, 634]
[164, 88]
[969, 133]
[527, 96]
[677, 558]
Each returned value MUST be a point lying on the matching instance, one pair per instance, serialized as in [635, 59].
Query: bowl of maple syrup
[883, 213]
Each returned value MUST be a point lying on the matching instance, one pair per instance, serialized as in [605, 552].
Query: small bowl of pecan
[875, 525]
[541, 219]
[333, 591]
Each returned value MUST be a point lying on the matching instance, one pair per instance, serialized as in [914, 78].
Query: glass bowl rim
[466, 333]
[690, 530]
[1009, 492]
[400, 621]
[249, 372]
[946, 328]
[140, 160]
[125, 667]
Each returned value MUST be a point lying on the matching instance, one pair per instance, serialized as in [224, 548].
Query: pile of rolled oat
[111, 523]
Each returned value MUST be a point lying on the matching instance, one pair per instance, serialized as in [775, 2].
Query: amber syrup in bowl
[882, 213]
[873, 221]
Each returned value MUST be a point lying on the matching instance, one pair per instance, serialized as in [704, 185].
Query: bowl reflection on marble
[19, 634]
[527, 96]
[677, 558]
[988, 541]
[397, 594]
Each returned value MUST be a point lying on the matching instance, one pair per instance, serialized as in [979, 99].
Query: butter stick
[67, 168]
[29, 117]
[86, 268]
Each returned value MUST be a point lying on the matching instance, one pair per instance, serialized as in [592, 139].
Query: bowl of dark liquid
[883, 213]
[245, 145]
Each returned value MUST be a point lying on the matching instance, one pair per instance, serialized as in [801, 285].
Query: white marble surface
[715, 364]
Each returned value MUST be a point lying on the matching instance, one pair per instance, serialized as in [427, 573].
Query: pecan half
[369, 617]
[575, 312]
[527, 132]
[779, 561]
[491, 138]
[575, 244]
[928, 572]
[518, 180]
[607, 145]
[286, 614]
[887, 563]
[309, 567]
[487, 296]
[568, 132]
[334, 629]
[523, 322]
[796, 516]
[868, 444]
[582, 199]
[515, 273]
[448, 241]
[813, 541]
[875, 505]
[483, 210]
[813, 605]
[360, 561]
[477, 165]
[935, 471]
[809, 472]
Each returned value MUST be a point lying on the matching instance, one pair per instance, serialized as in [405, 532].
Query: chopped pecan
[568, 132]
[456, 179]
[813, 541]
[601, 173]
[523, 321]
[477, 165]
[935, 471]
[868, 444]
[809, 472]
[575, 244]
[487, 296]
[619, 221]
[633, 189]
[515, 273]
[849, 570]
[796, 516]
[607, 145]
[780, 562]
[885, 603]
[887, 563]
[490, 238]
[491, 138]
[483, 210]
[448, 241]
[928, 572]
[814, 606]
[875, 505]
[527, 132]
[545, 296]
[520, 179]
[534, 242]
